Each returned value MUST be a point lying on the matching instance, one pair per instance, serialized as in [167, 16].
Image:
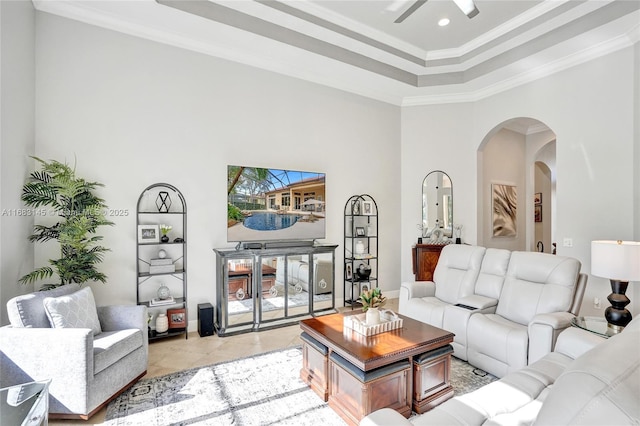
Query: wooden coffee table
[400, 369]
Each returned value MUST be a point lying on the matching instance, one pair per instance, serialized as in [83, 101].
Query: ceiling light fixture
[444, 22]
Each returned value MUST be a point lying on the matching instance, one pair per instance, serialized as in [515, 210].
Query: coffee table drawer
[354, 393]
[432, 384]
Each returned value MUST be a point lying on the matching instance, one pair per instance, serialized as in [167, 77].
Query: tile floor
[177, 353]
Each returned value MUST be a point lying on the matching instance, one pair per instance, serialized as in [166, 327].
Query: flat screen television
[266, 205]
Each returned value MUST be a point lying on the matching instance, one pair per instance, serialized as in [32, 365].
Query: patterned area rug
[260, 390]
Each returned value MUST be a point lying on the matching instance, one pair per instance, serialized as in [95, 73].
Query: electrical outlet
[567, 242]
[597, 303]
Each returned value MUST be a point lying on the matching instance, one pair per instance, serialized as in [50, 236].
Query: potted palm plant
[80, 212]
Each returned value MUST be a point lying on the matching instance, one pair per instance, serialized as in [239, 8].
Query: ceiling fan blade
[409, 11]
[468, 7]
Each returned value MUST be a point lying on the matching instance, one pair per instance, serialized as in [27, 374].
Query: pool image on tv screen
[274, 205]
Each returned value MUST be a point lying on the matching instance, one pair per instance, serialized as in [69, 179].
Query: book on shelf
[362, 256]
[159, 302]
[162, 269]
[161, 261]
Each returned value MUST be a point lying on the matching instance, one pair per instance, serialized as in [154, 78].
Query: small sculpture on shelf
[363, 271]
[163, 292]
[163, 202]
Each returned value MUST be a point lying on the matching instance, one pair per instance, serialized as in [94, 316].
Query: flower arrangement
[372, 298]
[165, 229]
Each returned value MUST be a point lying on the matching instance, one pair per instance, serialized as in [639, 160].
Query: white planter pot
[373, 316]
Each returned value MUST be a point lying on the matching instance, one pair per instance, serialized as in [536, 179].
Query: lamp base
[616, 315]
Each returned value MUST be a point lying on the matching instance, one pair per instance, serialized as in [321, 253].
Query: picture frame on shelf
[360, 231]
[348, 272]
[367, 208]
[148, 234]
[177, 318]
[355, 207]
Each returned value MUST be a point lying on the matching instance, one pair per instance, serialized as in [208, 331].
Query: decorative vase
[164, 239]
[162, 323]
[359, 247]
[373, 316]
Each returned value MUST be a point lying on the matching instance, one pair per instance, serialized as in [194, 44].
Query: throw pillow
[77, 310]
[27, 310]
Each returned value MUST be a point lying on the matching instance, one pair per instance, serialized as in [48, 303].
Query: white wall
[17, 35]
[503, 163]
[590, 108]
[133, 112]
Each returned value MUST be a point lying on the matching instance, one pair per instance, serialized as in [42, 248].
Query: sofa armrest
[544, 330]
[62, 354]
[479, 302]
[385, 417]
[122, 317]
[574, 341]
[415, 289]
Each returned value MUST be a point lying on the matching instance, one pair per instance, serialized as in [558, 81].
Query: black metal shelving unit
[153, 209]
[360, 246]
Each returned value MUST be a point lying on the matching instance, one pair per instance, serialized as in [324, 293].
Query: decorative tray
[389, 320]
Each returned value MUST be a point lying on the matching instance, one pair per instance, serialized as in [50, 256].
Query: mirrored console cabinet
[271, 287]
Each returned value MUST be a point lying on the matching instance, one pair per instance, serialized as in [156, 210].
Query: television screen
[274, 205]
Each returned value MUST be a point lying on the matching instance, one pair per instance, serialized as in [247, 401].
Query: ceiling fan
[467, 7]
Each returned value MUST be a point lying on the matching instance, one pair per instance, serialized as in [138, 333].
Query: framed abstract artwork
[504, 206]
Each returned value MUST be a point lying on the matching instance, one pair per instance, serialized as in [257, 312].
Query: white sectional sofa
[586, 380]
[505, 308]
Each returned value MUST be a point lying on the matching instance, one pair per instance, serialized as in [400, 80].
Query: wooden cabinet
[425, 258]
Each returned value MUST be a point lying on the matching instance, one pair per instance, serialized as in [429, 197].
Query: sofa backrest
[492, 272]
[537, 283]
[27, 310]
[456, 272]
[599, 387]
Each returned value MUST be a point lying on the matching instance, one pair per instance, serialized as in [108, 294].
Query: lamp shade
[616, 260]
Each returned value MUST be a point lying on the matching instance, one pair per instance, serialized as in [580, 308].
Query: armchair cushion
[112, 346]
[27, 310]
[76, 310]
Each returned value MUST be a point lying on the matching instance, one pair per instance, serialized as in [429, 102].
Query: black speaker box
[205, 319]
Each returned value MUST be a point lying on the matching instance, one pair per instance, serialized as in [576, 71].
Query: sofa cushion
[537, 283]
[496, 344]
[111, 346]
[456, 272]
[493, 270]
[27, 310]
[76, 310]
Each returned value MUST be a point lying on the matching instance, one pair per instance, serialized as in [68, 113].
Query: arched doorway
[512, 188]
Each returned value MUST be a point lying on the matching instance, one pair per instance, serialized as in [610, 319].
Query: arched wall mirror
[437, 204]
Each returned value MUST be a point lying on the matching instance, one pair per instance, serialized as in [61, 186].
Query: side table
[25, 405]
[596, 325]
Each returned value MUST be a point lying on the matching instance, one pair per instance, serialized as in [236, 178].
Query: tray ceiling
[355, 46]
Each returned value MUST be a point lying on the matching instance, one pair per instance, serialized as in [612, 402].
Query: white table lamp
[620, 262]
